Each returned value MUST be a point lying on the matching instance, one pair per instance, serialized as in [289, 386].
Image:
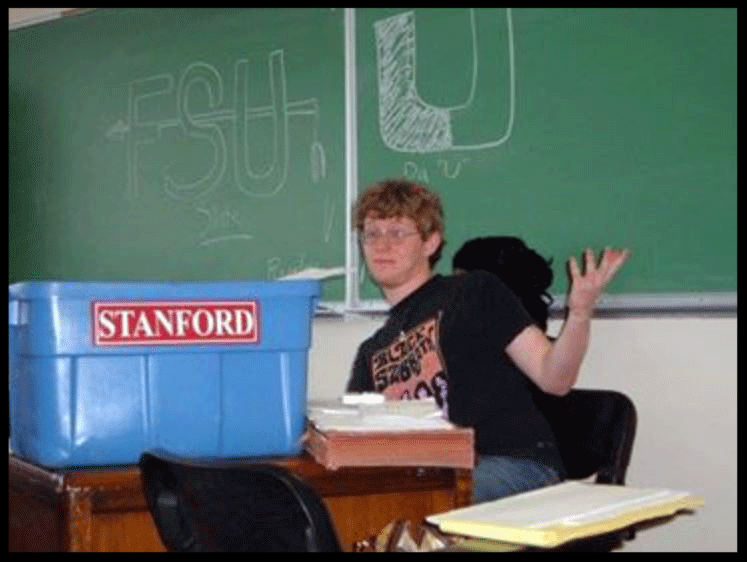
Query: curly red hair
[403, 198]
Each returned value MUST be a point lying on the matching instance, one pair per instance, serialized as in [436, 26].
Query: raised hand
[587, 286]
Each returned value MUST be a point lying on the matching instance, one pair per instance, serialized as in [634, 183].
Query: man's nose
[383, 241]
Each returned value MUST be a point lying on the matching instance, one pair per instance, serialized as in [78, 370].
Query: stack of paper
[550, 516]
[369, 415]
[395, 433]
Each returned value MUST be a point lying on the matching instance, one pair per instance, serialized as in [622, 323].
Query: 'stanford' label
[123, 323]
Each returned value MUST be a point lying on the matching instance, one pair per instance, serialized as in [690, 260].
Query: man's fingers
[573, 267]
[618, 258]
[589, 256]
[612, 261]
[609, 264]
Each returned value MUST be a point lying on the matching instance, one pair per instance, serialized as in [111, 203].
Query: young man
[452, 337]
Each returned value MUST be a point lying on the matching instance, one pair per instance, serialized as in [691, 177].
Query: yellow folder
[551, 516]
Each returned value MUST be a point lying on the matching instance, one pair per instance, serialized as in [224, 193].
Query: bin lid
[165, 289]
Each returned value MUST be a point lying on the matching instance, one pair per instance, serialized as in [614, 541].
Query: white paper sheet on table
[400, 415]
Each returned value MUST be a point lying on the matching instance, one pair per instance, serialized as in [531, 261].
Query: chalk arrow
[118, 131]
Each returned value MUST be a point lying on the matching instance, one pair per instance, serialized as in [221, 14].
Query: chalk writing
[206, 75]
[222, 222]
[328, 219]
[447, 168]
[415, 172]
[223, 140]
[279, 267]
[408, 123]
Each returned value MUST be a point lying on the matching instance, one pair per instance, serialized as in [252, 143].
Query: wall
[33, 15]
[681, 372]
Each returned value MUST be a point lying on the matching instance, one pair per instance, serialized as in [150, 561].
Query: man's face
[395, 253]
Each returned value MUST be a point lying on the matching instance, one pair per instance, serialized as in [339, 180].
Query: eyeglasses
[369, 237]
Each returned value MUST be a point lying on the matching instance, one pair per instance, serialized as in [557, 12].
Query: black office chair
[594, 430]
[214, 506]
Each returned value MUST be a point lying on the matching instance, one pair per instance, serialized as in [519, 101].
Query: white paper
[317, 273]
[363, 398]
[393, 415]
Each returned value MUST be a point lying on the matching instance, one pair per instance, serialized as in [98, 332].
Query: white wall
[681, 373]
[23, 16]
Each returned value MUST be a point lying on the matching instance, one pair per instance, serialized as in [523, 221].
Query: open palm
[587, 286]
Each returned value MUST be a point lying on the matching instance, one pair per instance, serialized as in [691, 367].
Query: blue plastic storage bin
[100, 372]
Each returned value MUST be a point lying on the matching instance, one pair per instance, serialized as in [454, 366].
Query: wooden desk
[105, 510]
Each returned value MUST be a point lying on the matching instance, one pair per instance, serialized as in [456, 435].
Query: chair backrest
[595, 430]
[222, 506]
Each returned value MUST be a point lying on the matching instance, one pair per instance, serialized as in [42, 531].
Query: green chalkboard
[209, 144]
[178, 144]
[567, 127]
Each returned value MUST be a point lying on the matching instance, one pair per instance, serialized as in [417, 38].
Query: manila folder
[556, 514]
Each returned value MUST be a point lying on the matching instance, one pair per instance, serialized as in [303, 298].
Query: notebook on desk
[551, 516]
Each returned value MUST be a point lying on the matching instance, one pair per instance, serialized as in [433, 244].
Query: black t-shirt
[447, 340]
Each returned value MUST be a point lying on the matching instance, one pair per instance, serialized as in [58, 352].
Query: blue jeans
[497, 477]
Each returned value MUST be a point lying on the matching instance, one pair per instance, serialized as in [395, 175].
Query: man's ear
[432, 243]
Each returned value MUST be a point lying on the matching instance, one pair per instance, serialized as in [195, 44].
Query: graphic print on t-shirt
[411, 366]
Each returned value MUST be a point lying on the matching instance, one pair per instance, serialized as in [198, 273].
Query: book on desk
[551, 516]
[379, 433]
